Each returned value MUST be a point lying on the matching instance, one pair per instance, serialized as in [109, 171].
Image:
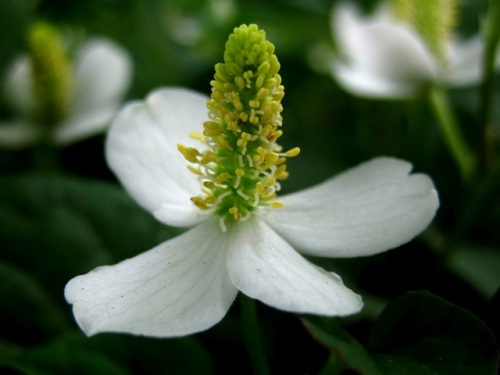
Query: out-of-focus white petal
[365, 83]
[178, 288]
[17, 88]
[371, 208]
[86, 124]
[103, 72]
[142, 150]
[265, 267]
[465, 62]
[386, 54]
[18, 134]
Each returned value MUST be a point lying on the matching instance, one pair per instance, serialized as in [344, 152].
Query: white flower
[187, 284]
[101, 75]
[380, 56]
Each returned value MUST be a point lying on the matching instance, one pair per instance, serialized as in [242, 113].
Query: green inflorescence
[242, 163]
[434, 20]
[51, 74]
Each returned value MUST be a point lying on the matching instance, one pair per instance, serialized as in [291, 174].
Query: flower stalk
[451, 132]
[252, 335]
[492, 41]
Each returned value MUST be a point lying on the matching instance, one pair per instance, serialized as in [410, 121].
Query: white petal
[84, 125]
[181, 215]
[178, 288]
[142, 150]
[263, 266]
[465, 59]
[364, 83]
[103, 72]
[371, 208]
[17, 89]
[388, 54]
[102, 76]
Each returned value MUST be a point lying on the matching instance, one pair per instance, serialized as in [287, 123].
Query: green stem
[451, 132]
[492, 40]
[333, 366]
[252, 335]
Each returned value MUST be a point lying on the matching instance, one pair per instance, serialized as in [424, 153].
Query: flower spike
[242, 163]
[51, 72]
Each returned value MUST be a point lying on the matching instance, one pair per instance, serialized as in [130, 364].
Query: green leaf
[154, 356]
[14, 18]
[57, 227]
[420, 333]
[60, 358]
[113, 355]
[479, 266]
[350, 352]
[22, 295]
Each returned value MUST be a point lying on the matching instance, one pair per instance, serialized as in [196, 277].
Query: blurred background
[62, 219]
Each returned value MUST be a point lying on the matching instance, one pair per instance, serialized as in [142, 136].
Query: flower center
[434, 20]
[241, 164]
[51, 73]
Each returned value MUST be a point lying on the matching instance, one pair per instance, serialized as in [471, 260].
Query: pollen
[241, 162]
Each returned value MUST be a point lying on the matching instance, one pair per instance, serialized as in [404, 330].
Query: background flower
[101, 74]
[381, 56]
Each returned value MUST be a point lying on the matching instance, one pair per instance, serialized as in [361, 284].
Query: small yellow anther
[243, 116]
[189, 153]
[254, 119]
[197, 136]
[222, 143]
[276, 204]
[240, 172]
[240, 82]
[238, 105]
[210, 199]
[200, 203]
[195, 170]
[209, 184]
[262, 93]
[208, 157]
[246, 136]
[260, 80]
[271, 157]
[282, 176]
[211, 129]
[270, 181]
[259, 187]
[293, 152]
[223, 177]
